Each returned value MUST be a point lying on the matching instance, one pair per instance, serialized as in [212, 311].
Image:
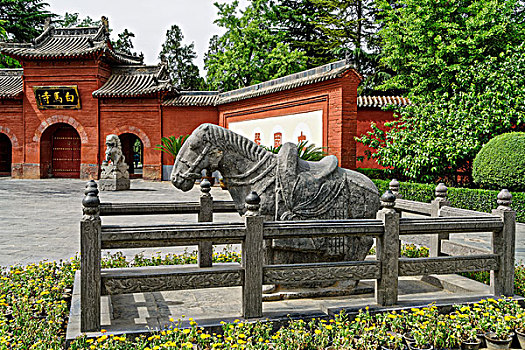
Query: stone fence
[252, 273]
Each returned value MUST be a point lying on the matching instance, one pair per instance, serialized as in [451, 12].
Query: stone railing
[252, 273]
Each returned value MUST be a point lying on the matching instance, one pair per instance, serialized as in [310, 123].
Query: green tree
[441, 133]
[6, 61]
[300, 21]
[183, 73]
[327, 30]
[427, 43]
[21, 21]
[123, 44]
[24, 19]
[73, 20]
[251, 50]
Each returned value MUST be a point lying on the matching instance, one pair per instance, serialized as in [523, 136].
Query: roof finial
[348, 57]
[47, 23]
[105, 23]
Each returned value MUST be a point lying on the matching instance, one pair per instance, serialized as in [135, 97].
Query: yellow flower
[317, 331]
[186, 331]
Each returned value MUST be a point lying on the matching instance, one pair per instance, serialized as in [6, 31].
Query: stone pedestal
[113, 184]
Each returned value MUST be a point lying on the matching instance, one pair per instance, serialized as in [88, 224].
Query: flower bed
[426, 326]
[34, 305]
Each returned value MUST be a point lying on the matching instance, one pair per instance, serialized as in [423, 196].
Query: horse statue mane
[290, 188]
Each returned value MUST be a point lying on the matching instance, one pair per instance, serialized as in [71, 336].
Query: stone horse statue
[289, 187]
[114, 174]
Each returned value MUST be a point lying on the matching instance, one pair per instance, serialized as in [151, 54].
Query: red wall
[12, 124]
[145, 117]
[177, 121]
[88, 75]
[139, 116]
[337, 98]
[365, 117]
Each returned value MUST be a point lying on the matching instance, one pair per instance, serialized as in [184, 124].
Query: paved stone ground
[39, 219]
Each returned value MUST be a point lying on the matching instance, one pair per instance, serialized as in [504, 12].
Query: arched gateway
[5, 155]
[60, 152]
[133, 150]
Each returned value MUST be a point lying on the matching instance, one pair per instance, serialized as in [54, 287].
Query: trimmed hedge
[465, 198]
[373, 173]
[501, 163]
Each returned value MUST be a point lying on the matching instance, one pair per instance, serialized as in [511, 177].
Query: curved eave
[11, 96]
[131, 94]
[92, 53]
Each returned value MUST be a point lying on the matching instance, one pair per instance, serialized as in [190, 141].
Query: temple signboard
[57, 97]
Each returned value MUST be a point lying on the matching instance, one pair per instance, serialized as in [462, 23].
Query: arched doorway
[60, 152]
[133, 150]
[5, 155]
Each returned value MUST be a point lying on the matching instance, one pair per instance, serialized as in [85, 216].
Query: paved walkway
[39, 219]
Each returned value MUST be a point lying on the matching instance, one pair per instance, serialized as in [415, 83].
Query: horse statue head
[212, 147]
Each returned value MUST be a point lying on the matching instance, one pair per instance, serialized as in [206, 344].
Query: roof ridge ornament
[105, 23]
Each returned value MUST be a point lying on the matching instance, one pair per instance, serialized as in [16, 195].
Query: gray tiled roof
[11, 84]
[194, 98]
[381, 101]
[63, 43]
[133, 81]
[212, 98]
[311, 76]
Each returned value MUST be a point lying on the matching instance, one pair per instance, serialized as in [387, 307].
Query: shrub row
[465, 198]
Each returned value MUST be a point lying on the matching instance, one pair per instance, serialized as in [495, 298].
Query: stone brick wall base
[89, 171]
[152, 172]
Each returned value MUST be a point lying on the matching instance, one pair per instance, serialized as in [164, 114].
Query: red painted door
[5, 155]
[66, 153]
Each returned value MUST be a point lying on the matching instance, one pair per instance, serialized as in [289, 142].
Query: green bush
[501, 163]
[373, 173]
[465, 198]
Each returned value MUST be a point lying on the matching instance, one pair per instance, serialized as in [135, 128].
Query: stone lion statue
[114, 151]
[114, 175]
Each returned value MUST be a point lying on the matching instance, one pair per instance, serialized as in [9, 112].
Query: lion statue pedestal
[114, 175]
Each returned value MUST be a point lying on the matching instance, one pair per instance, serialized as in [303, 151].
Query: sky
[150, 19]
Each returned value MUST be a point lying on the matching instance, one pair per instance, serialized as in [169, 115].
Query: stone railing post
[394, 187]
[205, 215]
[503, 244]
[252, 258]
[440, 201]
[90, 227]
[387, 250]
